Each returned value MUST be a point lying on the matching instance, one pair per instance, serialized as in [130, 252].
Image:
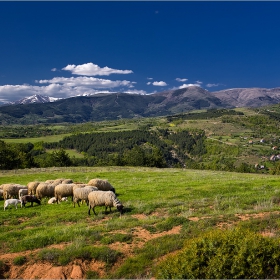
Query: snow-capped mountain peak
[35, 99]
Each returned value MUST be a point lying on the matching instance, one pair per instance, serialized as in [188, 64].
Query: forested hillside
[242, 140]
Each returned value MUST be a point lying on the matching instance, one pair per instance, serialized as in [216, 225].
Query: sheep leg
[92, 210]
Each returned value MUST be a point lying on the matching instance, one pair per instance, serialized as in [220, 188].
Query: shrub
[20, 260]
[229, 254]
[50, 255]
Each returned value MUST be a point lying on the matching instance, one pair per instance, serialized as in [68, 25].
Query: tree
[61, 158]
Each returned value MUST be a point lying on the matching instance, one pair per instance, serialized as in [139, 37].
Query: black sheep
[29, 198]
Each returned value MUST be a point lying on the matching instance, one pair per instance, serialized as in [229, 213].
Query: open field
[48, 138]
[163, 209]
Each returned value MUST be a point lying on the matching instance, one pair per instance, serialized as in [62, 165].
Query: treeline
[20, 156]
[209, 114]
[154, 148]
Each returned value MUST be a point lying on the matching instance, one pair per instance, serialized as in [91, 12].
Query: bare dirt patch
[78, 268]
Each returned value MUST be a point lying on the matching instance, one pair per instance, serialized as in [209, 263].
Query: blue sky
[64, 49]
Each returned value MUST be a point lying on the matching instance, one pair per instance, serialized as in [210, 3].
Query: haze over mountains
[40, 109]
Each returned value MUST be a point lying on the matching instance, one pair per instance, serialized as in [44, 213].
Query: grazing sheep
[102, 185]
[22, 192]
[67, 181]
[63, 190]
[49, 181]
[52, 200]
[29, 198]
[79, 185]
[80, 194]
[11, 190]
[11, 201]
[32, 186]
[45, 190]
[103, 198]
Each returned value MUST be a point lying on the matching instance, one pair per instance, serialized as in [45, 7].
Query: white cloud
[148, 83]
[199, 82]
[189, 85]
[87, 82]
[212, 85]
[181, 80]
[150, 78]
[53, 69]
[135, 91]
[160, 84]
[90, 69]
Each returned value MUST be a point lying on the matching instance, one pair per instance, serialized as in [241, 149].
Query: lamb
[22, 192]
[103, 198]
[32, 186]
[52, 200]
[29, 198]
[102, 185]
[11, 201]
[80, 194]
[63, 190]
[45, 190]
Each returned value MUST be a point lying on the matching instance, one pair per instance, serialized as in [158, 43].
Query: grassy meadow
[156, 202]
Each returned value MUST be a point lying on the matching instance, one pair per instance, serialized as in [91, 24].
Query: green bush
[229, 254]
[20, 260]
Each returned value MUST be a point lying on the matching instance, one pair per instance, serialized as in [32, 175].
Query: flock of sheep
[96, 192]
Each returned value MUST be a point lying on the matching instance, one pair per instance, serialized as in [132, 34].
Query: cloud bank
[83, 83]
[62, 87]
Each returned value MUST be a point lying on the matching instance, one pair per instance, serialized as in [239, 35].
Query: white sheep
[52, 200]
[103, 198]
[11, 201]
[22, 192]
[45, 190]
[63, 190]
[32, 186]
[80, 194]
[102, 185]
[11, 190]
[1, 193]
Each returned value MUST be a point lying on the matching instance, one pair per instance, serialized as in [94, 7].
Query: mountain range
[110, 106]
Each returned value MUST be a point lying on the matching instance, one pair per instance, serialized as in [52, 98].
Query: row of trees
[20, 156]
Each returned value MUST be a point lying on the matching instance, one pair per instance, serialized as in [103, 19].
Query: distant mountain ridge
[125, 105]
